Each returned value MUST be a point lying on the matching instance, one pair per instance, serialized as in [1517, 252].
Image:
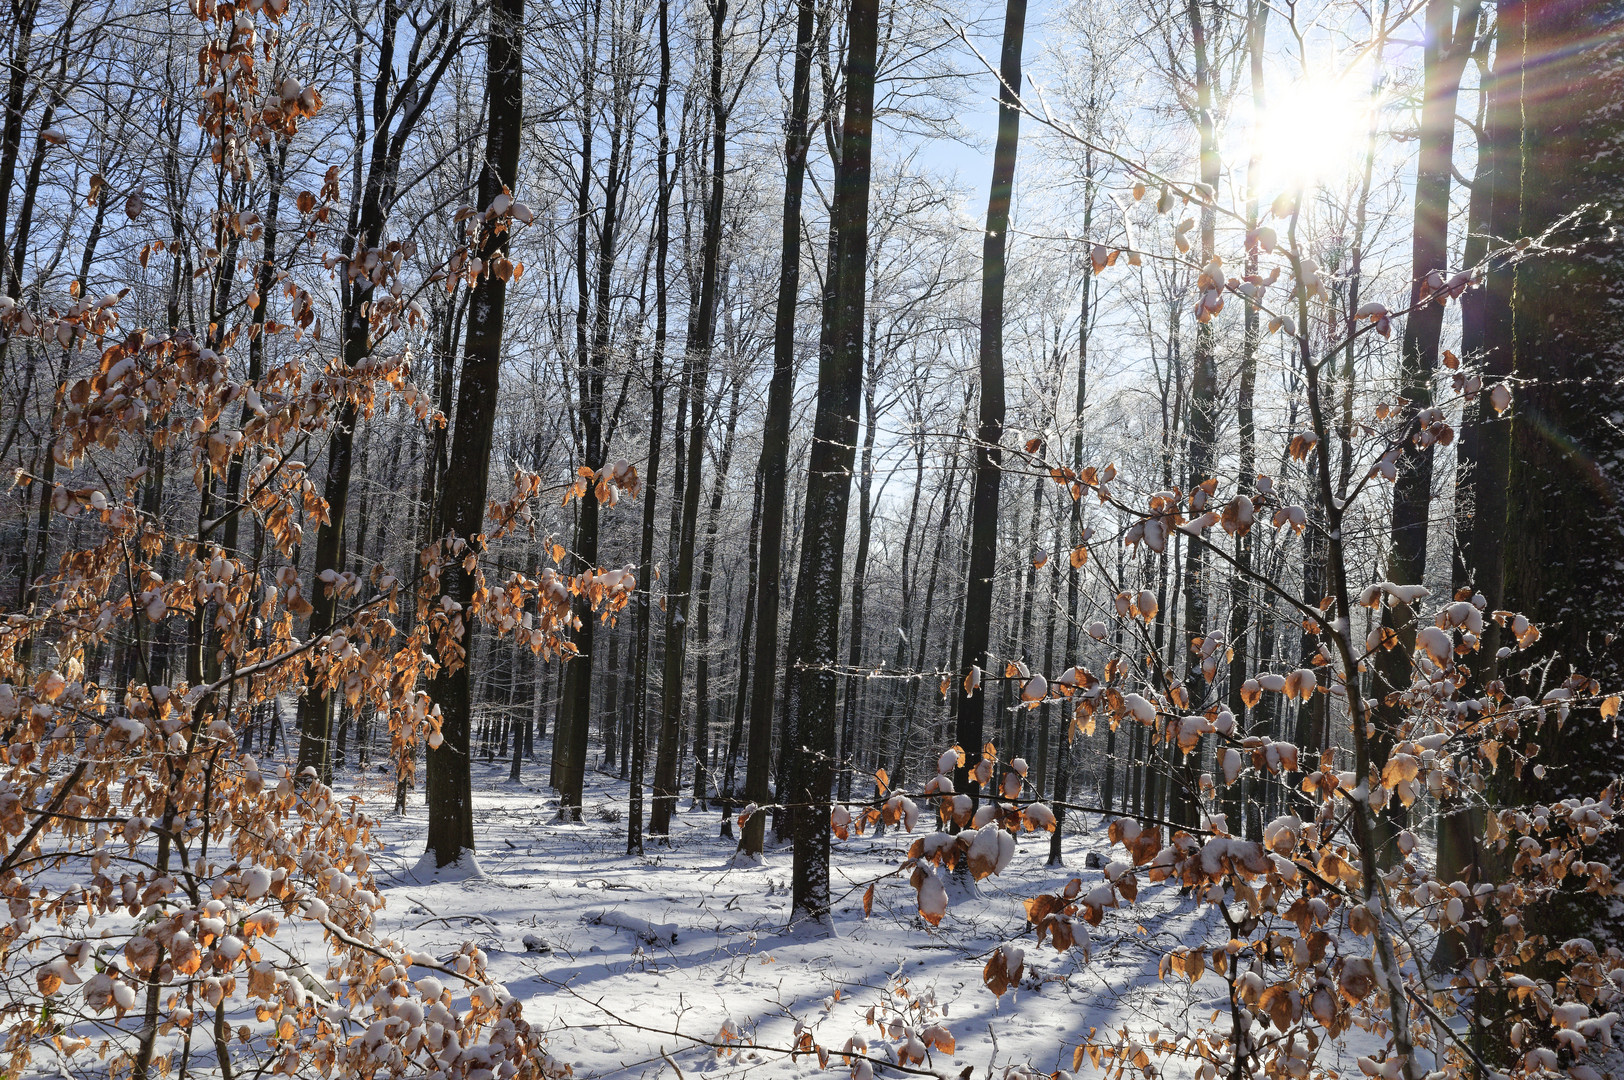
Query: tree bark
[859, 579]
[774, 465]
[702, 704]
[1236, 804]
[1200, 426]
[449, 785]
[990, 427]
[701, 336]
[741, 690]
[575, 710]
[1563, 62]
[809, 699]
[11, 131]
[407, 101]
[1443, 58]
[1062, 773]
[1483, 448]
[645, 564]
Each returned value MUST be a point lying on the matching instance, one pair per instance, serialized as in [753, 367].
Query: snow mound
[465, 868]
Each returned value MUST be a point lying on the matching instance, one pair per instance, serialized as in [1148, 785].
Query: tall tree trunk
[609, 721]
[1564, 62]
[702, 705]
[1443, 58]
[901, 658]
[264, 281]
[588, 440]
[645, 563]
[403, 102]
[809, 700]
[1483, 449]
[36, 164]
[11, 130]
[1008, 735]
[1240, 613]
[449, 785]
[1201, 424]
[1062, 773]
[741, 690]
[701, 336]
[774, 465]
[920, 651]
[859, 579]
[525, 678]
[575, 710]
[448, 313]
[990, 427]
[1039, 773]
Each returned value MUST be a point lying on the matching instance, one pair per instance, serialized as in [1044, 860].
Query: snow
[464, 868]
[648, 932]
[626, 961]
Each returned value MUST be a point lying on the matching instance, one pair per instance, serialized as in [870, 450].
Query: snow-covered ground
[582, 934]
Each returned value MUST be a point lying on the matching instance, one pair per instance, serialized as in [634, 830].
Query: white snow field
[634, 964]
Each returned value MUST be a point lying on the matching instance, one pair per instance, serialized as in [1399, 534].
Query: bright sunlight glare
[1311, 132]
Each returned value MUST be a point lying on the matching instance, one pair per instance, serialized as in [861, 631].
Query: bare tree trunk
[404, 101]
[1483, 449]
[901, 659]
[1007, 735]
[920, 650]
[588, 438]
[702, 628]
[645, 565]
[1201, 425]
[1062, 774]
[449, 786]
[815, 624]
[264, 281]
[10, 141]
[1236, 805]
[11, 131]
[575, 710]
[774, 465]
[1563, 62]
[701, 336]
[990, 428]
[1039, 773]
[741, 691]
[1443, 58]
[859, 579]
[609, 721]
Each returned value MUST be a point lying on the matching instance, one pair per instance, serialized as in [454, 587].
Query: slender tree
[575, 709]
[774, 464]
[1241, 594]
[983, 567]
[1062, 775]
[809, 701]
[707, 575]
[645, 562]
[1447, 46]
[397, 106]
[1201, 424]
[449, 784]
[700, 339]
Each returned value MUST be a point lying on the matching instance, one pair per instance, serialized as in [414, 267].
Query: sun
[1312, 132]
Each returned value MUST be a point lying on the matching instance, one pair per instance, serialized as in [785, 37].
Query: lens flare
[1312, 132]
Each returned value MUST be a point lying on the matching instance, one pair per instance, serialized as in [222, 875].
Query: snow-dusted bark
[1563, 62]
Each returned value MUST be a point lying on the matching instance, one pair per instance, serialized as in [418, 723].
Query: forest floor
[617, 1004]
